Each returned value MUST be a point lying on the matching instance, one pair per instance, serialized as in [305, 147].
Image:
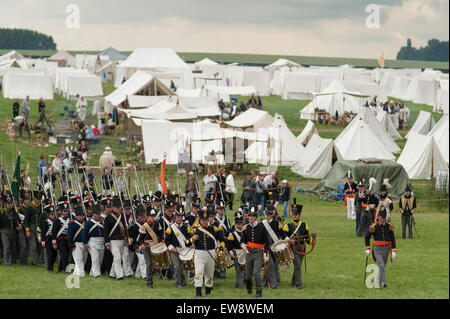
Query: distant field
[267, 59]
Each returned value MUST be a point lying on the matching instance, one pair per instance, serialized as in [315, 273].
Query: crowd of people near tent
[397, 110]
[232, 109]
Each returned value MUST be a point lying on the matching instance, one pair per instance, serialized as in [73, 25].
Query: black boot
[208, 290]
[258, 294]
[198, 291]
[249, 285]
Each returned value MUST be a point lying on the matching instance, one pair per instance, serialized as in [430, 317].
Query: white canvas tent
[423, 124]
[258, 79]
[440, 134]
[276, 146]
[283, 63]
[369, 117]
[421, 90]
[442, 97]
[358, 141]
[11, 55]
[317, 158]
[164, 110]
[88, 86]
[140, 83]
[307, 133]
[140, 101]
[334, 98]
[19, 85]
[252, 118]
[421, 157]
[154, 59]
[388, 125]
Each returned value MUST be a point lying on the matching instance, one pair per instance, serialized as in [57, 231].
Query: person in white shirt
[267, 178]
[233, 110]
[57, 164]
[230, 188]
[81, 109]
[210, 182]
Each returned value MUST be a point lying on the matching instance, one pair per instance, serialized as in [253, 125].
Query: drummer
[297, 227]
[176, 236]
[255, 241]
[150, 234]
[275, 230]
[204, 243]
[234, 246]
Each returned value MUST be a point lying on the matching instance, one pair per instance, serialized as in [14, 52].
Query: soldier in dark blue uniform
[383, 245]
[255, 240]
[140, 271]
[47, 236]
[59, 233]
[94, 241]
[360, 206]
[75, 241]
[150, 234]
[274, 229]
[235, 249]
[9, 224]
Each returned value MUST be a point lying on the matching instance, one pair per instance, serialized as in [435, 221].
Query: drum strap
[270, 230]
[200, 228]
[180, 237]
[151, 233]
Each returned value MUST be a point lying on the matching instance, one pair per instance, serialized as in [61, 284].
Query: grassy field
[267, 59]
[334, 269]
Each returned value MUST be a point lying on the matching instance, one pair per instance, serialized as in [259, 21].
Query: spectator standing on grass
[101, 116]
[253, 101]
[259, 103]
[15, 108]
[285, 196]
[261, 187]
[42, 166]
[230, 188]
[81, 109]
[25, 113]
[248, 190]
[107, 159]
[209, 180]
[57, 164]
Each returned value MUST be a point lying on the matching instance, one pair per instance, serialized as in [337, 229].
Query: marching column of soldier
[151, 234]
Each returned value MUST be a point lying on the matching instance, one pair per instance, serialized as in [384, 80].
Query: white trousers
[204, 267]
[351, 214]
[79, 257]
[96, 249]
[126, 262]
[141, 268]
[117, 247]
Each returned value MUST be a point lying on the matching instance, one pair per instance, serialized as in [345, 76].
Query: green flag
[15, 184]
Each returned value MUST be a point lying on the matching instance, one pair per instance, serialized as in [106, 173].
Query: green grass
[335, 268]
[267, 59]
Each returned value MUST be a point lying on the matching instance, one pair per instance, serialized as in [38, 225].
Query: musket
[86, 179]
[413, 222]
[116, 189]
[10, 189]
[365, 269]
[80, 194]
[137, 189]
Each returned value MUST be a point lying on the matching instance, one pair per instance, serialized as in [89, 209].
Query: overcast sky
[288, 27]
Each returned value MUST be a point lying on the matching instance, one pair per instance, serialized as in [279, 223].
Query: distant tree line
[22, 39]
[434, 51]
